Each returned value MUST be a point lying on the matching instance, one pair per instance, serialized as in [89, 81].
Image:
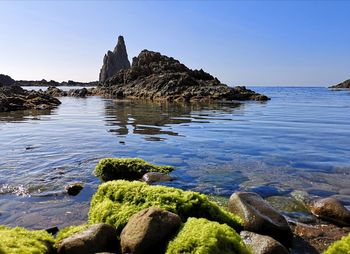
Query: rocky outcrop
[81, 93]
[345, 84]
[15, 98]
[54, 83]
[158, 77]
[114, 61]
[6, 80]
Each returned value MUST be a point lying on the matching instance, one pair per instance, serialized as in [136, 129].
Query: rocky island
[158, 77]
[344, 84]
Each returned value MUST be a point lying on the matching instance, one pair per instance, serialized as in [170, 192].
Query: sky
[272, 43]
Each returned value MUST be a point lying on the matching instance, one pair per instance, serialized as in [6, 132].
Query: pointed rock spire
[114, 61]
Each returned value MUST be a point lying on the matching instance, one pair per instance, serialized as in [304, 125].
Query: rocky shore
[344, 84]
[131, 216]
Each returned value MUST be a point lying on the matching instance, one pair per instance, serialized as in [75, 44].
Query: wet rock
[302, 196]
[332, 210]
[267, 191]
[260, 217]
[286, 204]
[148, 231]
[262, 244]
[152, 177]
[158, 77]
[83, 92]
[74, 189]
[114, 61]
[97, 238]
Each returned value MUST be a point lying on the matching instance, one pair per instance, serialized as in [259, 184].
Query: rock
[114, 61]
[15, 98]
[97, 238]
[262, 244]
[54, 91]
[157, 77]
[345, 84]
[53, 83]
[74, 189]
[6, 80]
[260, 217]
[301, 196]
[330, 209]
[78, 92]
[148, 231]
[152, 177]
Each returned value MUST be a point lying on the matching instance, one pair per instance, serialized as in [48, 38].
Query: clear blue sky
[240, 42]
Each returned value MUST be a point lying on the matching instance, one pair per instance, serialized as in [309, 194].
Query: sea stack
[114, 61]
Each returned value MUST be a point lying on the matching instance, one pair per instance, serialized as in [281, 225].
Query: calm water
[298, 140]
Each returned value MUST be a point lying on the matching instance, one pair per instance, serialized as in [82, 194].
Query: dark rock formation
[262, 244]
[82, 92]
[74, 189]
[97, 238]
[148, 231]
[6, 80]
[15, 98]
[54, 83]
[158, 77]
[260, 217]
[114, 61]
[345, 84]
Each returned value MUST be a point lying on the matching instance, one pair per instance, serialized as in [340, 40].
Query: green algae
[200, 236]
[69, 231]
[20, 240]
[116, 201]
[339, 247]
[126, 168]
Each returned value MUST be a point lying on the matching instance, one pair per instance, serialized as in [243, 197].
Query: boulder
[260, 217]
[6, 80]
[148, 231]
[96, 238]
[74, 189]
[330, 209]
[114, 61]
[262, 244]
[152, 177]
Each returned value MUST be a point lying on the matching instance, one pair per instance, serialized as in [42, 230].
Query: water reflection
[24, 115]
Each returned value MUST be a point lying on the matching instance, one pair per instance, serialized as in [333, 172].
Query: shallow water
[298, 140]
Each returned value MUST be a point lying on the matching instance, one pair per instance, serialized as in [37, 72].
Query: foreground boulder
[148, 231]
[15, 98]
[200, 236]
[262, 244]
[116, 201]
[114, 61]
[126, 168]
[260, 217]
[20, 240]
[157, 77]
[330, 209]
[88, 240]
[345, 84]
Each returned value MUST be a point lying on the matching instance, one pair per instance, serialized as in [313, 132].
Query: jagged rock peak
[114, 61]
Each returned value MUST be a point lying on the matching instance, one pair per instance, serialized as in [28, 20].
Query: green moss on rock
[339, 247]
[200, 236]
[20, 240]
[126, 168]
[69, 231]
[116, 201]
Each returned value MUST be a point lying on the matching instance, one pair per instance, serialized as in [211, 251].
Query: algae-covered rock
[116, 201]
[200, 236]
[340, 247]
[20, 240]
[126, 168]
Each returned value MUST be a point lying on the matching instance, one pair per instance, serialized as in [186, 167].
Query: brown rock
[260, 217]
[148, 231]
[97, 238]
[152, 177]
[262, 244]
[332, 210]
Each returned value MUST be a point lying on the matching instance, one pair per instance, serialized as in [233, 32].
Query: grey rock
[262, 244]
[6, 80]
[148, 231]
[152, 177]
[260, 217]
[332, 210]
[114, 61]
[97, 238]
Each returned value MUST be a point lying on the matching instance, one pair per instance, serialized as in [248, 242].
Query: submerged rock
[114, 61]
[152, 177]
[15, 98]
[148, 231]
[158, 77]
[262, 244]
[96, 238]
[345, 84]
[260, 217]
[74, 189]
[201, 236]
